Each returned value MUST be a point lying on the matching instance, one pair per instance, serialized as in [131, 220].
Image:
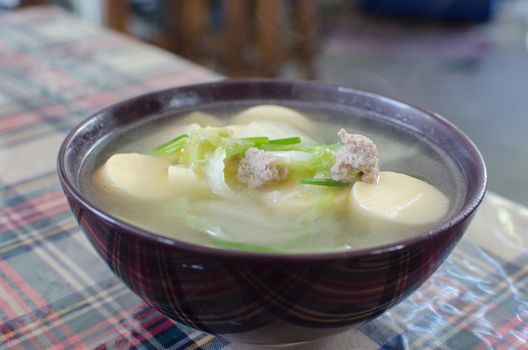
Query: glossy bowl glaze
[264, 298]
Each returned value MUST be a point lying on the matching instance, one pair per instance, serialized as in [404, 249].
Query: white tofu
[270, 129]
[201, 118]
[135, 174]
[398, 203]
[273, 113]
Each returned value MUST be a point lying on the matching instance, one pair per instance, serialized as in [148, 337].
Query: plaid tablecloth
[55, 293]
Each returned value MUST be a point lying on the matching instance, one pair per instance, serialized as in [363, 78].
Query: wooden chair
[258, 26]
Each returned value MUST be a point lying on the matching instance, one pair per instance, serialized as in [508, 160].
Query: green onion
[242, 246]
[274, 147]
[237, 147]
[322, 182]
[171, 146]
[297, 147]
[257, 140]
[286, 141]
[240, 146]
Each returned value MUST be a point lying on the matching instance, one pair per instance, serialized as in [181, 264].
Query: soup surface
[269, 178]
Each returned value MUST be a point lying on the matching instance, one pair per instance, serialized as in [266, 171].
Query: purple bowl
[264, 298]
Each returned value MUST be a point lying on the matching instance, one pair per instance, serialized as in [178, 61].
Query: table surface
[56, 293]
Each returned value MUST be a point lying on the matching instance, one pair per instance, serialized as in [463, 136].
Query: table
[56, 293]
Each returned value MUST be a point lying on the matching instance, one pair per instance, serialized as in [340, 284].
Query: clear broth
[245, 219]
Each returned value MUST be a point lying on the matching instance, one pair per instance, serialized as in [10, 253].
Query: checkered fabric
[55, 293]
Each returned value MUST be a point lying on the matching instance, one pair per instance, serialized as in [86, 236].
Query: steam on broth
[271, 179]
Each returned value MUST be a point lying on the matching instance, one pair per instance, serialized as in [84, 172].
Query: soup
[273, 179]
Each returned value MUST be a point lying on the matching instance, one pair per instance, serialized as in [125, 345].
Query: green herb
[322, 182]
[262, 140]
[257, 140]
[286, 141]
[242, 246]
[171, 146]
[237, 147]
[298, 147]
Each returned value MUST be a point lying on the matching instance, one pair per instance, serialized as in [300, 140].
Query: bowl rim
[468, 207]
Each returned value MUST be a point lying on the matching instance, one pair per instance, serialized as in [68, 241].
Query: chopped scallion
[171, 146]
[257, 140]
[322, 182]
[286, 141]
[297, 147]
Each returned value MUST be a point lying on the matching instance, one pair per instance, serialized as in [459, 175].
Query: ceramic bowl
[262, 298]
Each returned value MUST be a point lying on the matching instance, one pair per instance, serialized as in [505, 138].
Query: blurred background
[464, 59]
